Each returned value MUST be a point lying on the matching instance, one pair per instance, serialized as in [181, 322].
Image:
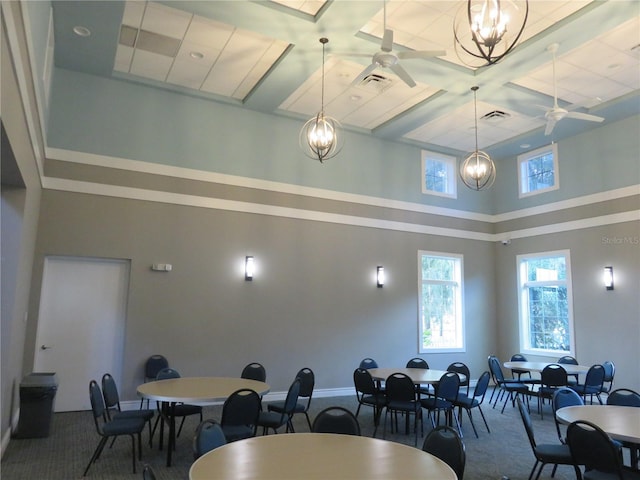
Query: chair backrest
[167, 373]
[97, 404]
[399, 386]
[291, 399]
[148, 473]
[254, 371]
[110, 394]
[417, 362]
[242, 407]
[462, 368]
[448, 386]
[518, 357]
[481, 386]
[563, 397]
[153, 365]
[624, 397]
[592, 447]
[363, 381]
[209, 435]
[445, 443]
[568, 360]
[336, 420]
[553, 375]
[307, 382]
[609, 370]
[496, 369]
[368, 363]
[595, 376]
[526, 420]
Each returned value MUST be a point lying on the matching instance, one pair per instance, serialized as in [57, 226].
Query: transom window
[441, 325]
[438, 174]
[545, 304]
[538, 171]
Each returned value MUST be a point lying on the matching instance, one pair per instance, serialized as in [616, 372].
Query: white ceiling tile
[150, 65]
[133, 12]
[208, 33]
[123, 58]
[188, 73]
[165, 20]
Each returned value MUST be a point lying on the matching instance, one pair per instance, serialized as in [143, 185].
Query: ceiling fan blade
[584, 116]
[551, 122]
[402, 73]
[363, 74]
[350, 54]
[387, 41]
[421, 54]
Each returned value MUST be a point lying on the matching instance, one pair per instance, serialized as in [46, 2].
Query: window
[440, 310]
[545, 304]
[538, 171]
[438, 174]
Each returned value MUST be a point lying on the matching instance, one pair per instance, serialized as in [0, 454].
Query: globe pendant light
[478, 171]
[321, 137]
[487, 30]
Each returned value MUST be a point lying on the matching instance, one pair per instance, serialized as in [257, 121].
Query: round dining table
[621, 423]
[418, 375]
[318, 456]
[539, 366]
[194, 390]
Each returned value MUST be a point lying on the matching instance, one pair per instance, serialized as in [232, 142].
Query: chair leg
[96, 454]
[483, 418]
[133, 452]
[308, 420]
[180, 428]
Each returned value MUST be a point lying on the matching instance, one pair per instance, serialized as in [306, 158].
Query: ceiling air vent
[375, 81]
[495, 116]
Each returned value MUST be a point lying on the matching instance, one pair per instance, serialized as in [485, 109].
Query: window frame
[452, 180]
[525, 158]
[523, 310]
[459, 301]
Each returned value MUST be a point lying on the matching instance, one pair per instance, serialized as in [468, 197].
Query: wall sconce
[608, 278]
[380, 276]
[248, 268]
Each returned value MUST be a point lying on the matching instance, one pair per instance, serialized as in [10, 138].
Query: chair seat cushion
[432, 403]
[407, 406]
[278, 406]
[552, 453]
[143, 414]
[123, 426]
[515, 386]
[378, 400]
[270, 419]
[184, 410]
[466, 402]
[237, 432]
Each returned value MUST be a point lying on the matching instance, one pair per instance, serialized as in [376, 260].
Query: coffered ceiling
[266, 56]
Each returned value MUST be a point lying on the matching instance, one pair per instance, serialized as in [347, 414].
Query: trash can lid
[40, 379]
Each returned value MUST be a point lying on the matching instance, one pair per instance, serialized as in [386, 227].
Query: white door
[81, 324]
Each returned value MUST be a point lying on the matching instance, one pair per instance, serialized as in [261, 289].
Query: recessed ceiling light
[196, 55]
[525, 145]
[355, 98]
[81, 31]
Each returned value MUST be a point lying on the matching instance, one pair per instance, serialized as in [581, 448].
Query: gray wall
[20, 209]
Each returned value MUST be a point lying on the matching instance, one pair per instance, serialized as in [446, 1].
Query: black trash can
[37, 392]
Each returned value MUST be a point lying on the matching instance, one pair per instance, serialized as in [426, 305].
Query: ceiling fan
[387, 58]
[557, 113]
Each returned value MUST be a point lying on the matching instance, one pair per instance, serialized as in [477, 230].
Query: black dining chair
[417, 362]
[552, 377]
[368, 363]
[152, 366]
[368, 394]
[336, 420]
[107, 429]
[444, 443]
[443, 400]
[180, 410]
[512, 388]
[307, 382]
[209, 436]
[254, 371]
[240, 411]
[463, 369]
[563, 397]
[592, 385]
[402, 397]
[475, 401]
[275, 419]
[569, 360]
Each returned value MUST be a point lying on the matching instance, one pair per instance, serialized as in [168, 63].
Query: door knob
[44, 347]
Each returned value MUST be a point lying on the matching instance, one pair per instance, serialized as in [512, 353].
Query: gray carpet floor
[65, 452]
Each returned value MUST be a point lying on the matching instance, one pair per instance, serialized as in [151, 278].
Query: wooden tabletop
[198, 389]
[320, 456]
[539, 366]
[621, 423]
[418, 375]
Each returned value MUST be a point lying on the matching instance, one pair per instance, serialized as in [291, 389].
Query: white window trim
[452, 184]
[459, 307]
[525, 157]
[523, 327]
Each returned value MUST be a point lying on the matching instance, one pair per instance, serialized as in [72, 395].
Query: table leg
[172, 432]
